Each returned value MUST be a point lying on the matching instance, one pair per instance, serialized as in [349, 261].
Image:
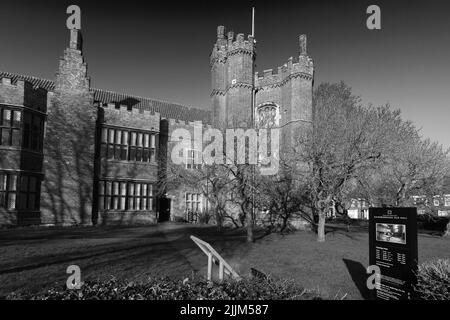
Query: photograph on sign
[393, 233]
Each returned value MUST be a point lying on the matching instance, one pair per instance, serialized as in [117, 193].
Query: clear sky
[160, 49]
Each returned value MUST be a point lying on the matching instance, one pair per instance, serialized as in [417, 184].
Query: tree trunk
[250, 238]
[219, 222]
[321, 227]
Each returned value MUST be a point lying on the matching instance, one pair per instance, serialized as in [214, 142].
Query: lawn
[35, 258]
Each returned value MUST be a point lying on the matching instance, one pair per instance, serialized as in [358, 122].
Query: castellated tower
[232, 79]
[287, 92]
[283, 97]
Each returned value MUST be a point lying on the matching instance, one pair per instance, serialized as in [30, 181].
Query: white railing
[214, 257]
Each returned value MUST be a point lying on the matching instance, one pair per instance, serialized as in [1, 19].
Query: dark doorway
[164, 210]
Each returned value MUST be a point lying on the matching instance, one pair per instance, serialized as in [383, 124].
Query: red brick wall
[69, 146]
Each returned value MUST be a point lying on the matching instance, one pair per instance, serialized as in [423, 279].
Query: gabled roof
[166, 109]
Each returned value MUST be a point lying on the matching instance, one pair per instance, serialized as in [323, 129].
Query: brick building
[73, 154]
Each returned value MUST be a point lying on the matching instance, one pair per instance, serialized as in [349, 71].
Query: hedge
[173, 289]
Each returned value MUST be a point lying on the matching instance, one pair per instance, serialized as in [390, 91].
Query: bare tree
[411, 166]
[346, 139]
[217, 182]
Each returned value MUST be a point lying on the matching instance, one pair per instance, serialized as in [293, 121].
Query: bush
[179, 219]
[433, 280]
[204, 217]
[344, 219]
[431, 222]
[170, 289]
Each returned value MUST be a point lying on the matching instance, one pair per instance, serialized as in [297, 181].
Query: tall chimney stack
[302, 42]
[76, 39]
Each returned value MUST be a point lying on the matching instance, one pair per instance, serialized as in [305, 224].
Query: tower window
[267, 115]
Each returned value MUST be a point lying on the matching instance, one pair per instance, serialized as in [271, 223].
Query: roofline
[51, 83]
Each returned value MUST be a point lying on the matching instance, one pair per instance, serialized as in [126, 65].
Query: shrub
[204, 217]
[433, 280]
[431, 222]
[170, 289]
[179, 219]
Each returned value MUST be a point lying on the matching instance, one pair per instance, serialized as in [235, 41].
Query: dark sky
[161, 49]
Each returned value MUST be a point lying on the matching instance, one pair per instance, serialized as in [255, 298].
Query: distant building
[359, 209]
[439, 205]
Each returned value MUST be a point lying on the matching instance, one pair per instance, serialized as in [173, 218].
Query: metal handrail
[213, 256]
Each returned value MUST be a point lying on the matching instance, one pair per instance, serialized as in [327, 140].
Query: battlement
[302, 66]
[23, 93]
[228, 44]
[176, 123]
[240, 43]
[122, 115]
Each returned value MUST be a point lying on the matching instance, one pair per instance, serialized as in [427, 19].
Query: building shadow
[359, 276]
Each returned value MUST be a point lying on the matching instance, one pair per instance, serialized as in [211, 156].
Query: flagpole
[253, 22]
[253, 117]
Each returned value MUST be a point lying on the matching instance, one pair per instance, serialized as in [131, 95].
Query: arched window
[267, 115]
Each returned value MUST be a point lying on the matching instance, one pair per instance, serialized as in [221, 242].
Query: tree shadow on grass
[147, 243]
[359, 277]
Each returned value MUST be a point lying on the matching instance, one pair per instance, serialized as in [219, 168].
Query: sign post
[393, 248]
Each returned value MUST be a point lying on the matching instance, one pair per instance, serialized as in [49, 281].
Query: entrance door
[164, 210]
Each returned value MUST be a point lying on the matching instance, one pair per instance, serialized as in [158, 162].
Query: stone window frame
[266, 104]
[447, 200]
[32, 137]
[127, 144]
[189, 203]
[190, 159]
[10, 128]
[123, 195]
[19, 191]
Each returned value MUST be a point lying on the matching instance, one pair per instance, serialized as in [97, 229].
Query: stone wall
[125, 118]
[69, 143]
[22, 97]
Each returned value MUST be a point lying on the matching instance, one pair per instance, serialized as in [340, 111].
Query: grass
[33, 259]
[335, 268]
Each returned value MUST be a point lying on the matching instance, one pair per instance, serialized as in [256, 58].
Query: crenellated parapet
[240, 45]
[301, 66]
[228, 45]
[195, 128]
[188, 125]
[122, 115]
[24, 94]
